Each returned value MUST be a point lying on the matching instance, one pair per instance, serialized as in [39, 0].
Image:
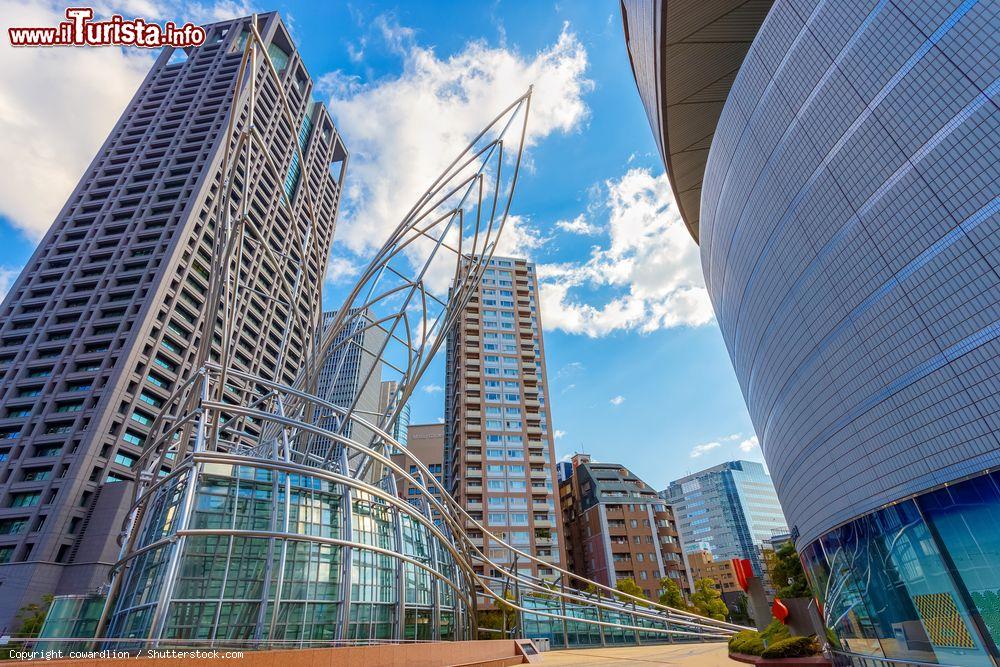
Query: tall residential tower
[499, 447]
[106, 314]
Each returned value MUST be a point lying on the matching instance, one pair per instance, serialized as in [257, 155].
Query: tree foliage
[502, 618]
[32, 617]
[707, 600]
[629, 587]
[786, 573]
[670, 594]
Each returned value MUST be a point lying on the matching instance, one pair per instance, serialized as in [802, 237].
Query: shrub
[792, 647]
[775, 631]
[747, 642]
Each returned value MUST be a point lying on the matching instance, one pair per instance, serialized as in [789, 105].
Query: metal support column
[346, 568]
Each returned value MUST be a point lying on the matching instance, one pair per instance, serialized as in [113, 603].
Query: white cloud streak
[57, 105]
[578, 225]
[402, 131]
[650, 267]
[704, 448]
[7, 277]
[617, 400]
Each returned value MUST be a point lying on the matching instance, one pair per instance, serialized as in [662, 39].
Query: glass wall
[585, 632]
[70, 616]
[272, 556]
[918, 580]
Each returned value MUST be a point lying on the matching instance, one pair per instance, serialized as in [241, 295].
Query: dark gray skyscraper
[106, 315]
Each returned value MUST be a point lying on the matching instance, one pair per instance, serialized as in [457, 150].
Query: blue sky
[638, 372]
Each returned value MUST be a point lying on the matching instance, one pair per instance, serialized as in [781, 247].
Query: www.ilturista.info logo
[80, 30]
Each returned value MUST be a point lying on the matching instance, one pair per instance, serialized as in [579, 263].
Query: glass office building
[850, 241]
[235, 550]
[730, 510]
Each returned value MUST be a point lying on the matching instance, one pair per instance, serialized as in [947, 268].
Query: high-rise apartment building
[353, 372]
[844, 187]
[617, 527]
[425, 444]
[388, 395]
[106, 314]
[499, 449]
[730, 510]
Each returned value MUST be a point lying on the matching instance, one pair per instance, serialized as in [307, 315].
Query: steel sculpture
[266, 485]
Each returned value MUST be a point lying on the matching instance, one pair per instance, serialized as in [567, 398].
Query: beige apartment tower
[499, 448]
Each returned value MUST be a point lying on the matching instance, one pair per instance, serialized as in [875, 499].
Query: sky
[637, 369]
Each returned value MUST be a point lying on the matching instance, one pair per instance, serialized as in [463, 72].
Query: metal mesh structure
[264, 519]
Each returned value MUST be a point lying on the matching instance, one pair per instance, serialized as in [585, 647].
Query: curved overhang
[685, 55]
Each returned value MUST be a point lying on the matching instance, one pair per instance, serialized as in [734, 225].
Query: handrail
[850, 655]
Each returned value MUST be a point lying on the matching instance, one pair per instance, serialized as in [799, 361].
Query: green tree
[707, 600]
[670, 594]
[786, 573]
[502, 618]
[741, 611]
[629, 587]
[32, 617]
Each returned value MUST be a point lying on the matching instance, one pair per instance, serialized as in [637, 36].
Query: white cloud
[617, 400]
[220, 10]
[403, 131]
[440, 420]
[341, 270]
[704, 448]
[749, 444]
[571, 369]
[519, 238]
[558, 434]
[7, 277]
[579, 225]
[433, 388]
[57, 105]
[650, 267]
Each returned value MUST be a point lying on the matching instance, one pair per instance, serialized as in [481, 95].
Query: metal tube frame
[459, 220]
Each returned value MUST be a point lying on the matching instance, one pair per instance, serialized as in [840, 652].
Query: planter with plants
[775, 645]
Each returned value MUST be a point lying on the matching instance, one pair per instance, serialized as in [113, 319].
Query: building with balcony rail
[499, 446]
[617, 528]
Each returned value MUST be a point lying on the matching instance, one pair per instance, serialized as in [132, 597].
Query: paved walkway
[689, 655]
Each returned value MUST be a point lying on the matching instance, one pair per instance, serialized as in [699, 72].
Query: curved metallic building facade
[850, 240]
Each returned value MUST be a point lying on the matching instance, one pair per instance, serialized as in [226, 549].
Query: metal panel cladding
[849, 239]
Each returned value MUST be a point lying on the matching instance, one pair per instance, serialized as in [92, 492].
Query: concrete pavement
[689, 655]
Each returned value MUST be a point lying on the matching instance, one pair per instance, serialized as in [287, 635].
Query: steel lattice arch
[267, 515]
